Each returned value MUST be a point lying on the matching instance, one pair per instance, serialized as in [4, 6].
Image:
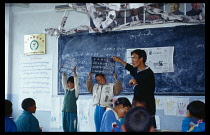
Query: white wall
[33, 20]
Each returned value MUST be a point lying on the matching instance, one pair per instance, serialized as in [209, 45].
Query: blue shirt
[108, 121]
[27, 122]
[200, 127]
[10, 125]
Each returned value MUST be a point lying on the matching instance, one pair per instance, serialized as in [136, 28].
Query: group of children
[137, 117]
[26, 121]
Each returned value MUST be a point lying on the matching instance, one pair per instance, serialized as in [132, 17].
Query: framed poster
[34, 44]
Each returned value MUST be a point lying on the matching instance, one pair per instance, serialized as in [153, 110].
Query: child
[137, 119]
[10, 125]
[138, 98]
[27, 122]
[103, 92]
[110, 121]
[139, 101]
[195, 109]
[69, 111]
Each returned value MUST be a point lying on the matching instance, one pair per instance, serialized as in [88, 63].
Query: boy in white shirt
[103, 93]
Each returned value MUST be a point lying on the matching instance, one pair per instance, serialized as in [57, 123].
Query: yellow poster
[34, 44]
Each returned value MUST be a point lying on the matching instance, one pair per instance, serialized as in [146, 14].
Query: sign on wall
[34, 44]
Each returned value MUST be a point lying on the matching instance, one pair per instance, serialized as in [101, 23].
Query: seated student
[137, 119]
[10, 125]
[138, 99]
[102, 92]
[27, 122]
[110, 121]
[196, 109]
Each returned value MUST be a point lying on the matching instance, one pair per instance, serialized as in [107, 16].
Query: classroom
[45, 40]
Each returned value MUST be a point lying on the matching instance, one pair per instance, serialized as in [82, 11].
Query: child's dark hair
[70, 79]
[137, 119]
[124, 101]
[8, 107]
[99, 75]
[197, 109]
[26, 103]
[140, 53]
[139, 98]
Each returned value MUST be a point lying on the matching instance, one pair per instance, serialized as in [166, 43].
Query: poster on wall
[36, 80]
[159, 59]
[34, 44]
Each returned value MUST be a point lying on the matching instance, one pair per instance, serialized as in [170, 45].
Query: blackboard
[188, 77]
[103, 65]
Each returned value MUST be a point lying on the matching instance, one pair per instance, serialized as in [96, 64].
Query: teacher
[144, 77]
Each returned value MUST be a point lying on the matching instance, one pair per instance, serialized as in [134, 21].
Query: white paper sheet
[159, 59]
[170, 106]
[91, 111]
[55, 113]
[157, 119]
[182, 106]
[159, 101]
[83, 115]
[36, 80]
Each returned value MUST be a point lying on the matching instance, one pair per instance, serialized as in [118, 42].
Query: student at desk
[110, 121]
[137, 119]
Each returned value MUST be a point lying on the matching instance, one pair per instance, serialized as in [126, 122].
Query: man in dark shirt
[195, 9]
[144, 77]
